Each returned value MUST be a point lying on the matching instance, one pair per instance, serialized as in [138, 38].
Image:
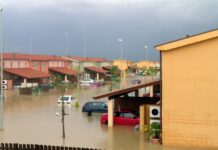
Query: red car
[121, 118]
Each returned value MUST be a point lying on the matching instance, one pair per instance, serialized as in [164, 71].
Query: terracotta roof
[98, 70]
[187, 40]
[27, 73]
[108, 68]
[83, 59]
[126, 90]
[16, 56]
[64, 70]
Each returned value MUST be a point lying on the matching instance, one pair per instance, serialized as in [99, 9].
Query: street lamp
[66, 43]
[121, 55]
[84, 46]
[146, 52]
[1, 96]
[30, 45]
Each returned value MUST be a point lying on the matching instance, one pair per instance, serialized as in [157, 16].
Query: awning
[64, 71]
[126, 90]
[97, 70]
[26, 73]
[108, 68]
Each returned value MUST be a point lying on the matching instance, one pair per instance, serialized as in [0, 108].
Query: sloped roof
[27, 73]
[108, 68]
[64, 70]
[89, 59]
[98, 70]
[187, 40]
[16, 56]
[126, 90]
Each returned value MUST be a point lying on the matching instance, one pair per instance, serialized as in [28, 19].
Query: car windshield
[128, 115]
[64, 98]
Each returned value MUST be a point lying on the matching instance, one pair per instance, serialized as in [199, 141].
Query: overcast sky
[102, 22]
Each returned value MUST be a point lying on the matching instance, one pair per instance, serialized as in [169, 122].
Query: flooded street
[32, 119]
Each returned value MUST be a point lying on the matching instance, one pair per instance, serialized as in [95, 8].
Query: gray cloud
[138, 22]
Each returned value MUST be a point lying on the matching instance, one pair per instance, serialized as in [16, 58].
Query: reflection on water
[33, 119]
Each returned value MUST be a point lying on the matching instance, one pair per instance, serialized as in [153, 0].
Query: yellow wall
[142, 64]
[190, 95]
[119, 62]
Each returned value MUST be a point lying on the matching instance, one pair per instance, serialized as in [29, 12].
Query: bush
[76, 104]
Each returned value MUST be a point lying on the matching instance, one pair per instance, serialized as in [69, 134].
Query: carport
[66, 72]
[25, 75]
[122, 98]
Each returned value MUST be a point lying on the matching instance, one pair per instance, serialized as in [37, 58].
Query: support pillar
[136, 93]
[65, 79]
[151, 89]
[142, 118]
[110, 113]
[25, 82]
[97, 77]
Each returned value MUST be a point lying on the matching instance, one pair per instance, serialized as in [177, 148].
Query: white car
[67, 99]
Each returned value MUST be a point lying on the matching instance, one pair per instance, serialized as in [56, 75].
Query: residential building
[79, 63]
[147, 64]
[189, 90]
[35, 68]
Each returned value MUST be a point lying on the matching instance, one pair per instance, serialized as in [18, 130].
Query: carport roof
[126, 90]
[64, 70]
[97, 70]
[27, 73]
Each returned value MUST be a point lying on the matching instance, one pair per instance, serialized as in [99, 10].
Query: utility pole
[1, 96]
[66, 43]
[84, 46]
[30, 45]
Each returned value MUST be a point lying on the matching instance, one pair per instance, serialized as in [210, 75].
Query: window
[43, 65]
[128, 115]
[35, 65]
[94, 105]
[101, 105]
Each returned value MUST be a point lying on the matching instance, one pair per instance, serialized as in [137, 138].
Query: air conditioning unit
[154, 112]
[4, 82]
[4, 87]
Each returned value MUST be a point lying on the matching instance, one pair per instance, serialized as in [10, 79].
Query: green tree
[115, 71]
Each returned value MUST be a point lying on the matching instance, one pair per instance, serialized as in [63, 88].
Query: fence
[15, 146]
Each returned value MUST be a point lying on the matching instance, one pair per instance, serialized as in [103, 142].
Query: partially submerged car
[92, 106]
[122, 118]
[67, 99]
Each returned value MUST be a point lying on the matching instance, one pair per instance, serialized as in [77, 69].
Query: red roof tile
[94, 69]
[108, 68]
[27, 73]
[88, 59]
[64, 70]
[17, 56]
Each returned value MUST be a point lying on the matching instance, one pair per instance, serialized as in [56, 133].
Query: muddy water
[33, 119]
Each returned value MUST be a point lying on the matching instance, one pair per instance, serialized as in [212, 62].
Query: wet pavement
[34, 120]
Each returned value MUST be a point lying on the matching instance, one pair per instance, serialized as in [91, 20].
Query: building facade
[21, 68]
[189, 90]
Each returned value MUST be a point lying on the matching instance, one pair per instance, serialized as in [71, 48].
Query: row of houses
[21, 69]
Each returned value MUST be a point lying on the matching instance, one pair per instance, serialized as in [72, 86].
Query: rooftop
[90, 59]
[17, 56]
[27, 73]
[64, 70]
[94, 69]
[188, 40]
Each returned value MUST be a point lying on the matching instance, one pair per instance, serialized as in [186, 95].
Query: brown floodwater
[33, 120]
